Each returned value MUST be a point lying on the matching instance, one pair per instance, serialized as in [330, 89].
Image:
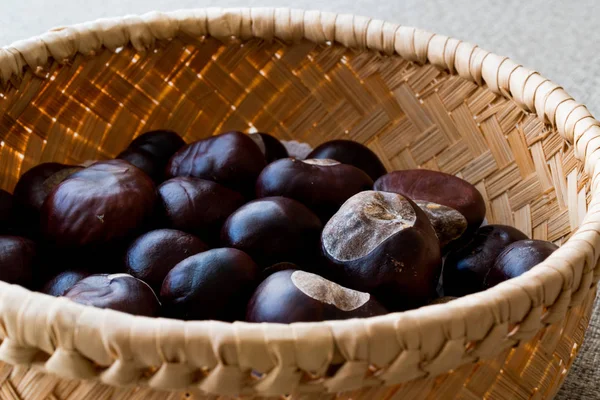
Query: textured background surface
[558, 38]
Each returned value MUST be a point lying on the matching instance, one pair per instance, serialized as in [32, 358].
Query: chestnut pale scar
[329, 292]
[365, 221]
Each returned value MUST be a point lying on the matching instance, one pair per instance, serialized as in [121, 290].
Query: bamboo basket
[417, 99]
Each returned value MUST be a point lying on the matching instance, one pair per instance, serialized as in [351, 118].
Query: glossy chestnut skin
[121, 292]
[516, 259]
[296, 296]
[231, 159]
[197, 205]
[465, 268]
[351, 153]
[160, 143]
[321, 185]
[272, 230]
[152, 255]
[215, 284]
[63, 282]
[17, 259]
[440, 188]
[382, 243]
[7, 209]
[151, 152]
[145, 161]
[31, 190]
[270, 146]
[101, 204]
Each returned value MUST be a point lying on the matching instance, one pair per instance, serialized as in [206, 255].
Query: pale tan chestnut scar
[328, 292]
[259, 142]
[448, 223]
[323, 162]
[365, 221]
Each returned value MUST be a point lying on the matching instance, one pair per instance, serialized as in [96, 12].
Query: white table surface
[560, 39]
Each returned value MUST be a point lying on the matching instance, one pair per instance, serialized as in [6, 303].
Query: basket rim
[505, 315]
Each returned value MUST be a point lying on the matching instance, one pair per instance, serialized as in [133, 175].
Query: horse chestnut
[100, 204]
[320, 184]
[7, 209]
[197, 206]
[272, 230]
[298, 296]
[152, 255]
[383, 243]
[145, 161]
[231, 159]
[516, 259]
[121, 292]
[161, 144]
[352, 153]
[215, 284]
[465, 268]
[455, 207]
[17, 257]
[270, 146]
[62, 282]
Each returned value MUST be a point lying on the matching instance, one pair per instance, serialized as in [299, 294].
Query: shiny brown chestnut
[161, 143]
[7, 210]
[352, 153]
[34, 185]
[197, 205]
[272, 230]
[271, 147]
[465, 268]
[298, 296]
[320, 184]
[455, 207]
[383, 243]
[63, 282]
[145, 161]
[152, 255]
[231, 159]
[215, 284]
[105, 202]
[121, 292]
[17, 258]
[516, 259]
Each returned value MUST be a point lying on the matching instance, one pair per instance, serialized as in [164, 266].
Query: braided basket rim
[527, 303]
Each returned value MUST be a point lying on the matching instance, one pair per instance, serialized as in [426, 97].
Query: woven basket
[417, 99]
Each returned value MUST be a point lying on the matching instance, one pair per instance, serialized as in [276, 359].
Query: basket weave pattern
[415, 98]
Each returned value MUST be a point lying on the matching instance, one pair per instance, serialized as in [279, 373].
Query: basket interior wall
[410, 115]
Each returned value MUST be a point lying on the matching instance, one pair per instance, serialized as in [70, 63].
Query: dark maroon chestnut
[161, 144]
[383, 243]
[145, 161]
[17, 257]
[443, 300]
[298, 296]
[272, 230]
[121, 292]
[465, 268]
[516, 259]
[352, 153]
[444, 198]
[322, 185]
[215, 284]
[152, 255]
[105, 202]
[7, 209]
[197, 206]
[231, 159]
[63, 282]
[34, 185]
[271, 147]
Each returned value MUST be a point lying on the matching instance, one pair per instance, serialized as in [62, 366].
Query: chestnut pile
[233, 228]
